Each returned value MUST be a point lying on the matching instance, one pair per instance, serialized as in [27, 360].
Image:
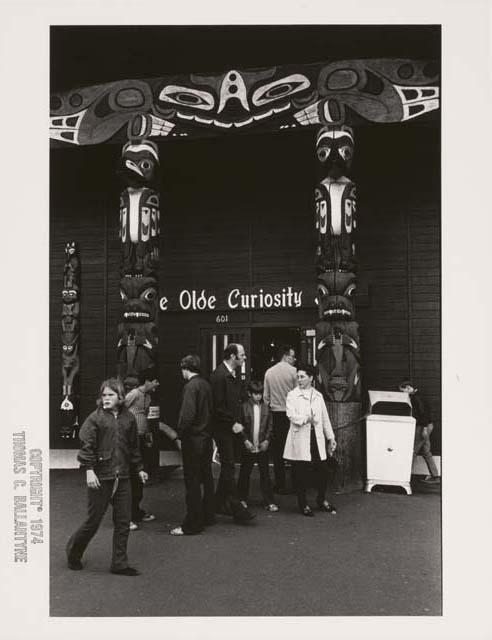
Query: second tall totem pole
[337, 332]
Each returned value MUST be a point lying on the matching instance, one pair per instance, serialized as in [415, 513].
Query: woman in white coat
[305, 446]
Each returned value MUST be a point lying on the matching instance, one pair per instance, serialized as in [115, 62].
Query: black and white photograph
[253, 406]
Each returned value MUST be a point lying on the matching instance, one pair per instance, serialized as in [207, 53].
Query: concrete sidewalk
[380, 555]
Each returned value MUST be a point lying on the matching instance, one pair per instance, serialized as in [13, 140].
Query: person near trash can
[306, 446]
[423, 429]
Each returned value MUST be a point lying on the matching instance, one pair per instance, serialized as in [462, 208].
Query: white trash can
[390, 433]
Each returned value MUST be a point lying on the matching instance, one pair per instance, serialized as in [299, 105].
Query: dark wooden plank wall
[424, 285]
[238, 213]
[79, 208]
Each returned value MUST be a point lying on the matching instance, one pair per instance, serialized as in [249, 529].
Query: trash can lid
[397, 397]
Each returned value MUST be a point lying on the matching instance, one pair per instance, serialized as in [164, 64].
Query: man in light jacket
[279, 380]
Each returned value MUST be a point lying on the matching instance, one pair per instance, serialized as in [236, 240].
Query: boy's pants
[422, 445]
[281, 426]
[248, 460]
[98, 501]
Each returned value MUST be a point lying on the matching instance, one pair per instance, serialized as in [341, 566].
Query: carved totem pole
[139, 236]
[337, 335]
[70, 342]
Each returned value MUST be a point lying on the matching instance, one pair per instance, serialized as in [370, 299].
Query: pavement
[380, 555]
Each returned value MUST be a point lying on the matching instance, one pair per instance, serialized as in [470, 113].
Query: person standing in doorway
[279, 380]
[196, 446]
[228, 395]
[423, 430]
[137, 401]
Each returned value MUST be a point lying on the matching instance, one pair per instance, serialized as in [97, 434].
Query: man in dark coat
[228, 394]
[196, 447]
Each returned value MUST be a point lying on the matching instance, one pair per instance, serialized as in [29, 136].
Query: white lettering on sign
[197, 302]
[285, 299]
[163, 302]
[193, 300]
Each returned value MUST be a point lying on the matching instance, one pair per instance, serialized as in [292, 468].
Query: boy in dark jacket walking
[257, 431]
[109, 453]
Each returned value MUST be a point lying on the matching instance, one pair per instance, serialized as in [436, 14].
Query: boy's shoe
[127, 571]
[74, 565]
[133, 526]
[148, 517]
[271, 507]
[244, 504]
[327, 507]
[242, 515]
[307, 511]
[177, 531]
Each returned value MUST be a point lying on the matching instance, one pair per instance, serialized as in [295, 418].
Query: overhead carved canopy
[350, 92]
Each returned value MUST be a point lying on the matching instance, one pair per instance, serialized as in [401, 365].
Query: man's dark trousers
[226, 497]
[281, 425]
[98, 501]
[197, 470]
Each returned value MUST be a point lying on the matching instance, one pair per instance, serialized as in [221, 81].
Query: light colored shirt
[279, 380]
[256, 426]
[137, 401]
[231, 370]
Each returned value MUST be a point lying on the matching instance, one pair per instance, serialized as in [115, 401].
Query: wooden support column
[139, 288]
[337, 332]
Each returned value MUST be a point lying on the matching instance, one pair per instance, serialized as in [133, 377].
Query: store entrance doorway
[265, 344]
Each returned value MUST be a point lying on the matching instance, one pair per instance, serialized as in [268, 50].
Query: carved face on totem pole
[139, 297]
[335, 295]
[139, 163]
[335, 202]
[71, 255]
[70, 329]
[335, 150]
[139, 231]
[338, 357]
[70, 294]
[137, 349]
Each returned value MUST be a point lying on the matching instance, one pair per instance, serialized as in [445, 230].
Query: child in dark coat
[257, 430]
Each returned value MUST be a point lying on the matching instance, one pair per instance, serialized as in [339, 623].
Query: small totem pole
[337, 335]
[70, 342]
[139, 236]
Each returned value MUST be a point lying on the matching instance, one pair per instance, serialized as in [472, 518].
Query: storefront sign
[235, 299]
